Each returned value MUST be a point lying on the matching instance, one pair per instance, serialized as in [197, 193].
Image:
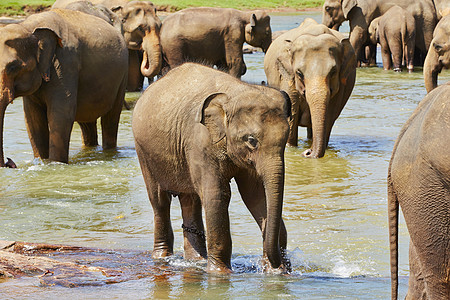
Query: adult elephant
[360, 14]
[195, 129]
[141, 28]
[65, 73]
[418, 182]
[214, 36]
[316, 66]
[438, 56]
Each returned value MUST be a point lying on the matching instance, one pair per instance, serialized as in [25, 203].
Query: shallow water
[335, 207]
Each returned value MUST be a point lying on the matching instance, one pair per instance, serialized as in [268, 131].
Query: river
[335, 207]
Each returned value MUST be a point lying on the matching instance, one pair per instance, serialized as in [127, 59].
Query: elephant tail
[393, 213]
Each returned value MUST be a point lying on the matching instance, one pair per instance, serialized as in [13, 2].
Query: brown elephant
[141, 28]
[195, 129]
[360, 14]
[396, 33]
[438, 56]
[316, 66]
[214, 36]
[419, 182]
[65, 73]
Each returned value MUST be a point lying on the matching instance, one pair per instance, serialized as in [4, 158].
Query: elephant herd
[197, 127]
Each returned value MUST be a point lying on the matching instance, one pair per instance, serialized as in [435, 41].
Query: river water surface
[335, 207]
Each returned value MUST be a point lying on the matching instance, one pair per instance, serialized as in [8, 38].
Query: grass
[24, 7]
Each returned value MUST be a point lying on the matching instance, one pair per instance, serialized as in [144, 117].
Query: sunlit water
[335, 207]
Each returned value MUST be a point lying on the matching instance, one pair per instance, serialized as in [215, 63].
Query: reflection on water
[334, 210]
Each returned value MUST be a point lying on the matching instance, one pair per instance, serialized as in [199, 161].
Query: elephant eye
[251, 141]
[13, 67]
[300, 74]
[327, 8]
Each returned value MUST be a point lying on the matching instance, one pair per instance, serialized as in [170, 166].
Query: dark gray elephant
[396, 33]
[438, 56]
[419, 182]
[195, 129]
[214, 36]
[316, 66]
[64, 74]
[360, 14]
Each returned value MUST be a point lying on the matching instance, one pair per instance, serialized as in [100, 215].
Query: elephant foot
[284, 268]
[307, 153]
[10, 164]
[397, 69]
[161, 253]
[217, 267]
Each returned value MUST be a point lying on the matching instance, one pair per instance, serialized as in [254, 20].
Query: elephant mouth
[133, 45]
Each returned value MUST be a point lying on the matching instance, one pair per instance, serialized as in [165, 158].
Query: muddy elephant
[396, 33]
[361, 12]
[64, 74]
[195, 129]
[418, 182]
[438, 56]
[316, 66]
[214, 36]
[141, 28]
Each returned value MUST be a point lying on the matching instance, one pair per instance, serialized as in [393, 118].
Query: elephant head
[332, 14]
[258, 32]
[438, 56]
[373, 31]
[255, 134]
[25, 61]
[141, 28]
[323, 67]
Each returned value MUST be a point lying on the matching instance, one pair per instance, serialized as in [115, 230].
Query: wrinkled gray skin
[360, 14]
[195, 129]
[65, 74]
[141, 28]
[438, 56]
[214, 36]
[419, 182]
[88, 7]
[396, 33]
[316, 66]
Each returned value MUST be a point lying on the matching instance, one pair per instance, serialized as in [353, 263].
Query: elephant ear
[347, 6]
[213, 116]
[48, 40]
[348, 60]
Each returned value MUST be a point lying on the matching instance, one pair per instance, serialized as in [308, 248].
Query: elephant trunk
[273, 178]
[431, 69]
[6, 96]
[317, 96]
[152, 58]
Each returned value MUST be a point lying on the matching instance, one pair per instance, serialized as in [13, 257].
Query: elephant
[418, 183]
[195, 129]
[360, 13]
[141, 28]
[316, 67]
[396, 33]
[88, 7]
[214, 36]
[64, 73]
[438, 56]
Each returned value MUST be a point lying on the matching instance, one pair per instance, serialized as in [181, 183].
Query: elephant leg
[89, 134]
[309, 133]
[215, 201]
[253, 194]
[409, 54]
[193, 230]
[135, 77]
[160, 201]
[37, 127]
[110, 121]
[289, 87]
[386, 57]
[372, 55]
[416, 282]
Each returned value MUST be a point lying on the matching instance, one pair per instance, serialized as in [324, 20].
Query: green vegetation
[23, 7]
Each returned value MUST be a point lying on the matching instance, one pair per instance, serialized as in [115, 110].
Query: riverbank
[26, 7]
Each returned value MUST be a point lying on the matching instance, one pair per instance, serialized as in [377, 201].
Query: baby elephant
[214, 36]
[419, 181]
[396, 33]
[197, 128]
